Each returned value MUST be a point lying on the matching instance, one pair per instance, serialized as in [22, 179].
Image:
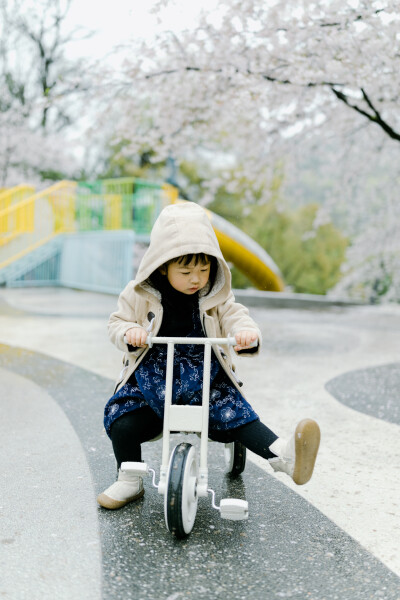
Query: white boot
[128, 487]
[296, 457]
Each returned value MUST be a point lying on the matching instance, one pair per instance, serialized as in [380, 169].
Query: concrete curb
[257, 298]
[63, 301]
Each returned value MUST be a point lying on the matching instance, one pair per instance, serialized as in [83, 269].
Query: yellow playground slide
[248, 256]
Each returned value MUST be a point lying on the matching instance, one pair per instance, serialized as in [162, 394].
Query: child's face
[188, 279]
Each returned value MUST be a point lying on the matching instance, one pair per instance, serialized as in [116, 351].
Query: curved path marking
[49, 534]
[374, 391]
[287, 548]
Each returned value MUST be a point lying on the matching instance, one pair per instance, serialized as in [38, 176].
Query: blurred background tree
[282, 117]
[41, 90]
[301, 83]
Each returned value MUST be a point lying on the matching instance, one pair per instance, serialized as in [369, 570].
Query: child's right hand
[136, 336]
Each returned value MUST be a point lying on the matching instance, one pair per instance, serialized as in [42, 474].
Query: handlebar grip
[232, 342]
[146, 342]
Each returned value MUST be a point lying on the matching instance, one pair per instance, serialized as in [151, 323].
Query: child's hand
[136, 336]
[244, 339]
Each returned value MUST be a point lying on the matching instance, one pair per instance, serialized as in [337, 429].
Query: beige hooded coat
[179, 230]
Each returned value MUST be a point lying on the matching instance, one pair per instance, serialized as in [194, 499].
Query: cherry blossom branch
[374, 117]
[247, 72]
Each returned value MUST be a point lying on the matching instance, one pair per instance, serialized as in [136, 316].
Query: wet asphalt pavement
[286, 549]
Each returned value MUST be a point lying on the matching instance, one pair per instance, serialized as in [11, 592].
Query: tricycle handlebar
[150, 340]
[228, 341]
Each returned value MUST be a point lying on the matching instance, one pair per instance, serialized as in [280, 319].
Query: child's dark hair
[186, 259]
[201, 257]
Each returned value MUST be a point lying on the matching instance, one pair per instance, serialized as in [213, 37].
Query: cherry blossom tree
[40, 89]
[259, 83]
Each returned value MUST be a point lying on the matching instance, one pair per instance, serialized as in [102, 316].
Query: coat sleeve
[123, 318]
[233, 317]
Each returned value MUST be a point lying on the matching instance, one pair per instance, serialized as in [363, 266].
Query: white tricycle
[182, 480]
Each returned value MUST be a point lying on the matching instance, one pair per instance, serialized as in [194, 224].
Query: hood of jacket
[181, 229]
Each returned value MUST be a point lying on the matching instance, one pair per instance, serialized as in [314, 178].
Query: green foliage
[309, 259]
[52, 175]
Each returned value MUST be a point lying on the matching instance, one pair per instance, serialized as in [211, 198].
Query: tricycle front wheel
[180, 501]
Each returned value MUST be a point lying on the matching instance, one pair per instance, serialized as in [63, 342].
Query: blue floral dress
[146, 387]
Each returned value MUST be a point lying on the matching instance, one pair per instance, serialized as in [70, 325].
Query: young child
[183, 288]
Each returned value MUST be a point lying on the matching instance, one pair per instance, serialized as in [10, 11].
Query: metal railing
[30, 223]
[126, 203]
[12, 222]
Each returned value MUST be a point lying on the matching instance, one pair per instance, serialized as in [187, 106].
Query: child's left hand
[244, 339]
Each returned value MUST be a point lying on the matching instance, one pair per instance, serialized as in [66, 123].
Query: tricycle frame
[188, 419]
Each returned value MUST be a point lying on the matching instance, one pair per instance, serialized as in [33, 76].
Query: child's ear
[163, 270]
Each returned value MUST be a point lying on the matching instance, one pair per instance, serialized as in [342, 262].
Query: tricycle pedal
[135, 468]
[234, 509]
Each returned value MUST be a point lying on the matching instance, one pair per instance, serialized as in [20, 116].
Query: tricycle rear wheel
[235, 458]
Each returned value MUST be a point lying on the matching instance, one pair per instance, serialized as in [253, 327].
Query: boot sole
[107, 502]
[307, 438]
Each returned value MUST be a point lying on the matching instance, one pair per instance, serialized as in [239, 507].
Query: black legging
[130, 430]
